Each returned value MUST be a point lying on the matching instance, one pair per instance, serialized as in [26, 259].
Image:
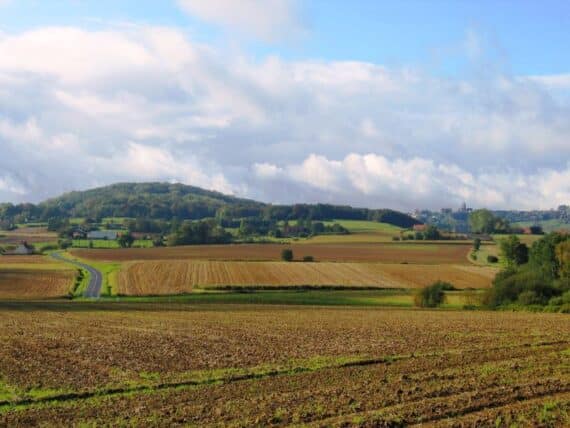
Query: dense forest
[178, 202]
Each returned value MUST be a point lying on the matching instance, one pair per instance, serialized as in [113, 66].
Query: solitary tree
[476, 244]
[287, 255]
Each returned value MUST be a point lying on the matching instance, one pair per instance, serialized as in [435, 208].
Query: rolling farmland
[259, 365]
[223, 335]
[175, 277]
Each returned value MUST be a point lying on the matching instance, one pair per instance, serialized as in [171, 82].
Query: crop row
[430, 388]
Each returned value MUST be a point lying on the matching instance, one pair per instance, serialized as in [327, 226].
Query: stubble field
[155, 365]
[176, 277]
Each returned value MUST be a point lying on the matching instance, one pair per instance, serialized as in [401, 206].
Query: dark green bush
[509, 284]
[64, 244]
[564, 299]
[492, 259]
[433, 295]
[530, 297]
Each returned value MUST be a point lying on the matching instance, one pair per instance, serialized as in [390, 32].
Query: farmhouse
[110, 235]
[420, 227]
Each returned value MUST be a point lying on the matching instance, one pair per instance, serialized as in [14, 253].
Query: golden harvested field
[33, 277]
[70, 364]
[349, 252]
[36, 283]
[175, 277]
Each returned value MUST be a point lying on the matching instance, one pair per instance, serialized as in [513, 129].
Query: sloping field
[349, 252]
[31, 277]
[29, 234]
[24, 260]
[175, 277]
[173, 365]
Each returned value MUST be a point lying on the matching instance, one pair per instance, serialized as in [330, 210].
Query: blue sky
[532, 36]
[382, 104]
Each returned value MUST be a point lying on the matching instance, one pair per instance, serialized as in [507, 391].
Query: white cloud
[79, 108]
[371, 180]
[268, 20]
[154, 163]
[11, 186]
[554, 81]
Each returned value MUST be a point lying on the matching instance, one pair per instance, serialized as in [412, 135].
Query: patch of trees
[146, 225]
[126, 240]
[536, 276]
[199, 232]
[298, 229]
[484, 221]
[431, 233]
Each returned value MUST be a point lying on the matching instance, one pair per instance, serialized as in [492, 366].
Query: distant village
[457, 220]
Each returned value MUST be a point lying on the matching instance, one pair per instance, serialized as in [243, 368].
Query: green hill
[165, 201]
[149, 200]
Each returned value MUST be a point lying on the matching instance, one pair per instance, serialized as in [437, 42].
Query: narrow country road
[95, 280]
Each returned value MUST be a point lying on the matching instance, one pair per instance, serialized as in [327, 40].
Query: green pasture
[378, 298]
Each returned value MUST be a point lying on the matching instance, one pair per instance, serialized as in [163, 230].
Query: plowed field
[350, 252]
[174, 277]
[170, 365]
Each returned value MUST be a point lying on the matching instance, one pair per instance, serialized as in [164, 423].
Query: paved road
[95, 280]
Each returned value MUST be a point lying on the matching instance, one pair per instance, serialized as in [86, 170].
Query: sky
[409, 104]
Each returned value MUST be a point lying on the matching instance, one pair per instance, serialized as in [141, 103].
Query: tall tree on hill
[514, 252]
[563, 257]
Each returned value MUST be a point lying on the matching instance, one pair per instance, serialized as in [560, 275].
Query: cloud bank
[84, 108]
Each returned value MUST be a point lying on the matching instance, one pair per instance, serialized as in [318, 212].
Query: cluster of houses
[107, 235]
